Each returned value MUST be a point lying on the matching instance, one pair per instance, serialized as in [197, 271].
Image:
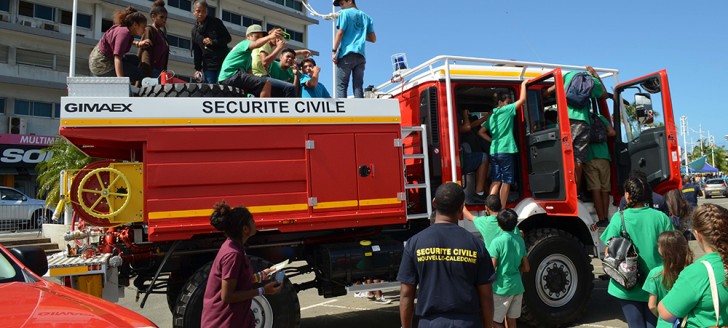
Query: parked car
[30, 301]
[715, 187]
[17, 208]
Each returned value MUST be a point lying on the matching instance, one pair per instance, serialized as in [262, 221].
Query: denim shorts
[471, 161]
[502, 168]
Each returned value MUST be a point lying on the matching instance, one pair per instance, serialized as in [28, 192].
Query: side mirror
[643, 108]
[24, 198]
[32, 257]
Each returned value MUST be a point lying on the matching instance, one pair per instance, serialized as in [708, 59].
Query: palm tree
[65, 157]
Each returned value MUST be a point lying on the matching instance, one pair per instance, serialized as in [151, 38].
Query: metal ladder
[425, 157]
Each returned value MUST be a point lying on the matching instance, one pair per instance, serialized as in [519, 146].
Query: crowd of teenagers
[262, 65]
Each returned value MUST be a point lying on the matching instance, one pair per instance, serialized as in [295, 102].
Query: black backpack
[579, 90]
[597, 131]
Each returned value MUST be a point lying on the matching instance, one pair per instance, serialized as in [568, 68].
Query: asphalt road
[350, 312]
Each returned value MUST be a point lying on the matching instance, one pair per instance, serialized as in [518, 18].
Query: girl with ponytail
[643, 225]
[690, 296]
[230, 289]
[153, 59]
[107, 57]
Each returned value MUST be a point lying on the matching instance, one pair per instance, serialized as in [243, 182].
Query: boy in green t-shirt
[508, 253]
[237, 67]
[503, 147]
[487, 225]
[286, 73]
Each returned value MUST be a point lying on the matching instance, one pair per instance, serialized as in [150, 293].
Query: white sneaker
[382, 300]
[360, 294]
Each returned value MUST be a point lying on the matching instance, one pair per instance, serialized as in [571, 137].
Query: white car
[16, 208]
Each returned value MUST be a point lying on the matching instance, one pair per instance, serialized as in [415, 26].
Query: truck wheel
[190, 90]
[270, 311]
[560, 282]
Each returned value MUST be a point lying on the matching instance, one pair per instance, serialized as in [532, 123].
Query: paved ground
[350, 312]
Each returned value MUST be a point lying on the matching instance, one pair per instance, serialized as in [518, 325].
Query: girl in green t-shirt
[676, 255]
[691, 297]
[643, 224]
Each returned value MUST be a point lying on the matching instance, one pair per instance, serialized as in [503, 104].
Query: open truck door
[646, 135]
[550, 154]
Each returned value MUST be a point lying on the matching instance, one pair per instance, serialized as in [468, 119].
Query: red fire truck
[337, 185]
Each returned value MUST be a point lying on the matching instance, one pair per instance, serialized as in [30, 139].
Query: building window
[82, 20]
[37, 11]
[293, 4]
[57, 110]
[2, 105]
[179, 42]
[35, 58]
[236, 19]
[106, 24]
[181, 4]
[34, 108]
[5, 5]
[295, 35]
[211, 11]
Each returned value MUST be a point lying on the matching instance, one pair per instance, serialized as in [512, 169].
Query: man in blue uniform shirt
[456, 291]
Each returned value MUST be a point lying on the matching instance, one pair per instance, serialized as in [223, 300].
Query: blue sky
[688, 39]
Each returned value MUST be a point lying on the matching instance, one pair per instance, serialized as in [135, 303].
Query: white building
[34, 55]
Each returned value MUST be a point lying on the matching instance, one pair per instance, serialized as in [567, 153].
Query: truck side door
[548, 146]
[646, 135]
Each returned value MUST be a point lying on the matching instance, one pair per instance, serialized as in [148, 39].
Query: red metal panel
[377, 152]
[333, 171]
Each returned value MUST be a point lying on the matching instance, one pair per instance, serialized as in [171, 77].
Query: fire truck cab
[558, 224]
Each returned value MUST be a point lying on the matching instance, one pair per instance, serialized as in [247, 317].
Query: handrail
[515, 63]
[524, 65]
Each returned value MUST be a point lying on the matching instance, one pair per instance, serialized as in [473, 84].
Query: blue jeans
[638, 314]
[352, 64]
[211, 76]
[280, 88]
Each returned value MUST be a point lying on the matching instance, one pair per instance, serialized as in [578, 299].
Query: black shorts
[250, 83]
[580, 134]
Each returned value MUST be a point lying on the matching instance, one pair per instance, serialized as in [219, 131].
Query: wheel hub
[556, 280]
[262, 312]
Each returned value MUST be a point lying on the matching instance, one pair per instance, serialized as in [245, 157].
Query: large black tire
[190, 90]
[561, 279]
[271, 311]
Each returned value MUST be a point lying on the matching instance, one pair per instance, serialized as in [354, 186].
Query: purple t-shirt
[160, 49]
[116, 41]
[231, 262]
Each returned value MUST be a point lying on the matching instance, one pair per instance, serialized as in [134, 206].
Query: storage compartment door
[379, 170]
[332, 172]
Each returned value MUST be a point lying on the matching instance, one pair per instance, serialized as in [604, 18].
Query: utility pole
[711, 141]
[700, 126]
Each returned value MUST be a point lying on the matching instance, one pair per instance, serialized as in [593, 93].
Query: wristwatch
[334, 50]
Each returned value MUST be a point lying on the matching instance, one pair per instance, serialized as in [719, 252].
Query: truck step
[24, 241]
[383, 286]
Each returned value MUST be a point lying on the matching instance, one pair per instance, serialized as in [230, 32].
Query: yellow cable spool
[118, 187]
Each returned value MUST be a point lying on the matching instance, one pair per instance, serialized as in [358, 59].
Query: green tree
[712, 152]
[65, 157]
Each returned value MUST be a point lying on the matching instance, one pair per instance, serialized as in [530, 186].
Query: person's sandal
[382, 300]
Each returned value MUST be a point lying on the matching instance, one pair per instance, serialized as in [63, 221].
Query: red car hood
[44, 304]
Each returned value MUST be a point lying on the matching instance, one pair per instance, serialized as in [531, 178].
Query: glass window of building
[34, 108]
[5, 5]
[82, 20]
[2, 105]
[179, 42]
[181, 4]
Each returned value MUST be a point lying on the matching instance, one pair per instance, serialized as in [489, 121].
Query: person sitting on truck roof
[474, 157]
[312, 88]
[579, 120]
[107, 57]
[503, 148]
[229, 290]
[284, 75]
[452, 268]
[269, 52]
[237, 67]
